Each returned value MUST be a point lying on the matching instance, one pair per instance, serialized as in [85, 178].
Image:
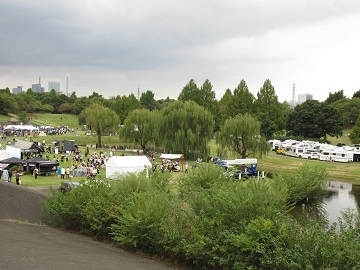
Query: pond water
[339, 197]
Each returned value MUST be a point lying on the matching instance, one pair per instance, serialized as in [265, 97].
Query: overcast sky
[112, 47]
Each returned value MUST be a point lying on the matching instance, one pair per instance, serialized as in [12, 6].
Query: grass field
[338, 171]
[273, 163]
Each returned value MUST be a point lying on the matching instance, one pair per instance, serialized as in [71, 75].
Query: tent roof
[40, 160]
[24, 145]
[171, 156]
[13, 160]
[4, 155]
[128, 161]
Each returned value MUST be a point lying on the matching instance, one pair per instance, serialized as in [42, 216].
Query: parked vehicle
[309, 155]
[294, 150]
[67, 186]
[338, 155]
[243, 168]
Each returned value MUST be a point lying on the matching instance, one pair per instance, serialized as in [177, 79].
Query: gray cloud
[163, 44]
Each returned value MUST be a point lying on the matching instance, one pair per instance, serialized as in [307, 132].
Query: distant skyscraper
[55, 86]
[304, 97]
[37, 88]
[17, 90]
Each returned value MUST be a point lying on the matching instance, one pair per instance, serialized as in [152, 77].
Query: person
[17, 178]
[62, 173]
[59, 172]
[10, 175]
[6, 175]
[36, 173]
[67, 172]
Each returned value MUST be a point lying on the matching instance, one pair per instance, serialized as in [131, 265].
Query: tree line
[239, 121]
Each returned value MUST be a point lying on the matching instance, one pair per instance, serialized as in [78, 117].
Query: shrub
[305, 183]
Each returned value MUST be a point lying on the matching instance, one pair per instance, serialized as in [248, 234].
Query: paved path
[28, 245]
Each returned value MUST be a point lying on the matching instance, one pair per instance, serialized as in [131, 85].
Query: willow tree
[141, 126]
[187, 128]
[99, 119]
[241, 135]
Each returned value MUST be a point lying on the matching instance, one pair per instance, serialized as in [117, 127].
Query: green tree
[35, 106]
[356, 94]
[349, 110]
[243, 101]
[314, 119]
[224, 107]
[80, 104]
[123, 105]
[140, 127]
[52, 98]
[207, 97]
[7, 103]
[148, 101]
[47, 108]
[66, 108]
[241, 135]
[23, 117]
[186, 128]
[190, 92]
[165, 102]
[100, 119]
[335, 97]
[22, 100]
[355, 132]
[269, 110]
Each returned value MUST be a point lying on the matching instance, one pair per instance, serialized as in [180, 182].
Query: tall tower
[138, 93]
[293, 93]
[67, 85]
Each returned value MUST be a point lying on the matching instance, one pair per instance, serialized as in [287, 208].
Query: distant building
[304, 97]
[17, 90]
[36, 88]
[55, 86]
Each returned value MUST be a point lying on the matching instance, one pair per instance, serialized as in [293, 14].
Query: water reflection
[339, 197]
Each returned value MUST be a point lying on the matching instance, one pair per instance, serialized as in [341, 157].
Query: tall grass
[307, 182]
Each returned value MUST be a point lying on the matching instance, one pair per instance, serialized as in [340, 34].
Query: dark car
[67, 186]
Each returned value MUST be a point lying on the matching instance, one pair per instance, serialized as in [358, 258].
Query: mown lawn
[338, 171]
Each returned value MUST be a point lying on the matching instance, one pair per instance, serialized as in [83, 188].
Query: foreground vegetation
[207, 220]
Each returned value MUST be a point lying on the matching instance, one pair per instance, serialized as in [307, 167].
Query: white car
[309, 155]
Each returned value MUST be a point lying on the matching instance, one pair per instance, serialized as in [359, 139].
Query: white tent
[5, 155]
[171, 156]
[117, 165]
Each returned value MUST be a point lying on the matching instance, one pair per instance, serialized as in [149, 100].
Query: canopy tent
[171, 156]
[13, 160]
[118, 165]
[4, 155]
[40, 160]
[21, 148]
[44, 166]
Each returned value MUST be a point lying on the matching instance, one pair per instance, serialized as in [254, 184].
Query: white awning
[171, 156]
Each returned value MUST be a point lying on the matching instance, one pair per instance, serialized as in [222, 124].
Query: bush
[305, 183]
[212, 221]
